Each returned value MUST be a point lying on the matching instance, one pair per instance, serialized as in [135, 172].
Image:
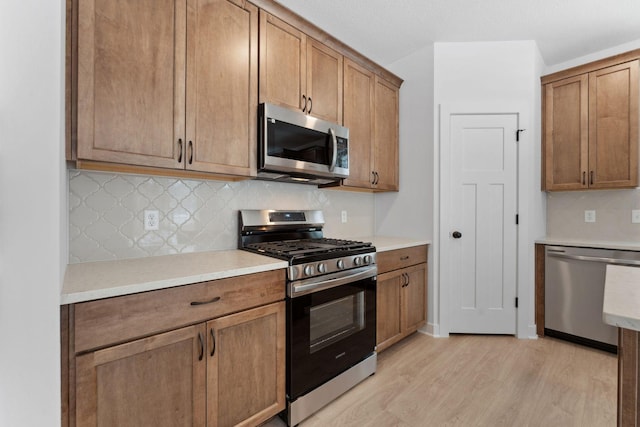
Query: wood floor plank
[477, 380]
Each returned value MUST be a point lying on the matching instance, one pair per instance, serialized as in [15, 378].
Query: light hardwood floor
[479, 380]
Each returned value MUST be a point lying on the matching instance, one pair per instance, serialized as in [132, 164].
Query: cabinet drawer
[119, 319]
[401, 258]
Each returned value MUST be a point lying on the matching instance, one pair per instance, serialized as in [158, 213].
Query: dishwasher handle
[593, 258]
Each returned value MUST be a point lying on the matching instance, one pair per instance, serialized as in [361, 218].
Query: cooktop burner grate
[292, 248]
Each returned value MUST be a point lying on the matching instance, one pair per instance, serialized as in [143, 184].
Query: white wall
[493, 74]
[409, 212]
[593, 57]
[32, 206]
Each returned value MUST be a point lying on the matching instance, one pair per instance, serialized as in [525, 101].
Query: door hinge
[517, 219]
[516, 302]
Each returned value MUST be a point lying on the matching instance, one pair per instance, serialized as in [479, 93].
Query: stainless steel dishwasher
[574, 291]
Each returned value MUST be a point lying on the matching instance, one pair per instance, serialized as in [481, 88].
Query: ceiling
[387, 30]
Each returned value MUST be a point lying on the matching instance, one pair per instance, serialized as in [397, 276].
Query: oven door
[329, 331]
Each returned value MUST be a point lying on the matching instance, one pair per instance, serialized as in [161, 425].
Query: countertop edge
[101, 283]
[94, 294]
[599, 244]
[621, 306]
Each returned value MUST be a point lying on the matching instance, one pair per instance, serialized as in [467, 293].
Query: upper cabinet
[172, 87]
[299, 72]
[168, 84]
[371, 114]
[590, 126]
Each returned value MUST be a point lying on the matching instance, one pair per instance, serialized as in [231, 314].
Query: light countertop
[387, 243]
[621, 305]
[601, 244]
[105, 279]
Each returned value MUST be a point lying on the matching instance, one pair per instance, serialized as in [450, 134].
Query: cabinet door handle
[405, 279]
[310, 105]
[408, 279]
[212, 300]
[180, 149]
[213, 343]
[190, 152]
[201, 342]
[304, 107]
[584, 177]
[591, 178]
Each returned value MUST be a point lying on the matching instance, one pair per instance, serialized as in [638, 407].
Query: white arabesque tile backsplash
[106, 213]
[565, 215]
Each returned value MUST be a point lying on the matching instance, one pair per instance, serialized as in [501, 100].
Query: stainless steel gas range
[331, 305]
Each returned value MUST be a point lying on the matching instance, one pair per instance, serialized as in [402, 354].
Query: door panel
[358, 117]
[222, 77]
[282, 63]
[131, 81]
[566, 133]
[324, 81]
[245, 369]
[613, 126]
[484, 205]
[155, 381]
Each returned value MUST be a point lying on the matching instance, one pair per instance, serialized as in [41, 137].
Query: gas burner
[296, 236]
[302, 247]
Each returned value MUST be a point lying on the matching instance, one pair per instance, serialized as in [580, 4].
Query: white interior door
[483, 234]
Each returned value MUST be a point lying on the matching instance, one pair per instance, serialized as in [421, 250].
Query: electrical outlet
[343, 216]
[589, 216]
[635, 216]
[151, 220]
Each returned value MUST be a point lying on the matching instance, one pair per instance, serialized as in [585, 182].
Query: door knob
[456, 234]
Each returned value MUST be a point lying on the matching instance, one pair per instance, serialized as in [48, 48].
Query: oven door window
[336, 320]
[293, 142]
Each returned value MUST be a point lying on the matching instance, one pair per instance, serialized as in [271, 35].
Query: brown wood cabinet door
[358, 110]
[131, 75]
[414, 298]
[282, 63]
[386, 135]
[388, 315]
[246, 367]
[613, 126]
[155, 381]
[222, 93]
[324, 82]
[566, 138]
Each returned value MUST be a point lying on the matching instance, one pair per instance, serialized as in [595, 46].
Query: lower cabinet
[137, 360]
[159, 381]
[245, 370]
[401, 297]
[226, 372]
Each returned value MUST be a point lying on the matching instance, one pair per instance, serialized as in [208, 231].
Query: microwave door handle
[334, 157]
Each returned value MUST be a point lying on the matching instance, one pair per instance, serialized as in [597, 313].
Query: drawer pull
[404, 258]
[212, 300]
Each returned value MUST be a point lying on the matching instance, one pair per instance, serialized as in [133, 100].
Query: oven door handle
[303, 287]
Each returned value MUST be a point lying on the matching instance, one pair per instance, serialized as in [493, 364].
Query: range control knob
[322, 268]
[357, 260]
[367, 259]
[340, 264]
[308, 270]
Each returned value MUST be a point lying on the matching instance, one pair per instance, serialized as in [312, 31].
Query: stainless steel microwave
[295, 147]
